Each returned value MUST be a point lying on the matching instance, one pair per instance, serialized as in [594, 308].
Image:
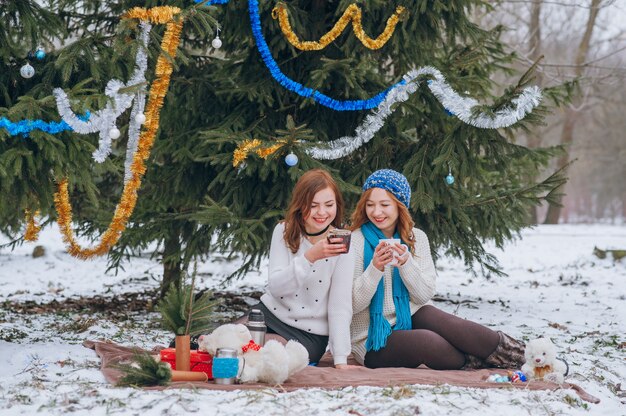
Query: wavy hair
[405, 222]
[299, 208]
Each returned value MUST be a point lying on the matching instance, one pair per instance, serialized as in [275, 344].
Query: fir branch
[143, 371]
[184, 313]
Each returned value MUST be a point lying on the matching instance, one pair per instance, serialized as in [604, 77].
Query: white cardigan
[418, 275]
[313, 297]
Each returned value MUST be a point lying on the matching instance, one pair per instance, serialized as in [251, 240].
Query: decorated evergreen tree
[208, 187]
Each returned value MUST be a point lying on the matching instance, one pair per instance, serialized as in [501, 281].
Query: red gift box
[200, 361]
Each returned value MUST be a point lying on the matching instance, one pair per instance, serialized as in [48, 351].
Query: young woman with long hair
[308, 296]
[394, 322]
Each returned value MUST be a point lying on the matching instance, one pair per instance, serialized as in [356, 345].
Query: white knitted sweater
[313, 297]
[418, 275]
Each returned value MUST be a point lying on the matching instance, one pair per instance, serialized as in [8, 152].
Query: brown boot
[473, 363]
[508, 354]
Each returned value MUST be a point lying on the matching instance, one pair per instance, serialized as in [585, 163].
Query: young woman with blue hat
[394, 322]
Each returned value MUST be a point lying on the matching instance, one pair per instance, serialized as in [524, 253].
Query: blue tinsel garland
[24, 127]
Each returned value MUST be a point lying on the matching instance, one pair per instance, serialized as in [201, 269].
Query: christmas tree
[208, 187]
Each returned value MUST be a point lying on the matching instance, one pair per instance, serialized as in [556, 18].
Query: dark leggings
[438, 339]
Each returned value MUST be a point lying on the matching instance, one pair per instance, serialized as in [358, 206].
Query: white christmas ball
[291, 159]
[140, 118]
[114, 133]
[27, 71]
[216, 43]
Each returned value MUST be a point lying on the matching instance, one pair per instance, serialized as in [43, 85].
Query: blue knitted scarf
[380, 328]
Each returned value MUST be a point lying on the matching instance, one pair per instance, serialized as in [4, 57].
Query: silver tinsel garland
[134, 128]
[103, 121]
[460, 107]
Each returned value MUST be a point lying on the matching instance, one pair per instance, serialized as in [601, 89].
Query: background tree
[194, 202]
[588, 137]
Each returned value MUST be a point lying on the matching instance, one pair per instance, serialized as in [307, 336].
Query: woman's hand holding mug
[325, 248]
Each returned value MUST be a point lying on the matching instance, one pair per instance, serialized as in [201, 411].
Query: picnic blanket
[326, 377]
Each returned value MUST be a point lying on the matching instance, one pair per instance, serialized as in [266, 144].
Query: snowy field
[556, 288]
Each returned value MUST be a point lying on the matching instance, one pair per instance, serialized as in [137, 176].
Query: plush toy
[541, 362]
[273, 363]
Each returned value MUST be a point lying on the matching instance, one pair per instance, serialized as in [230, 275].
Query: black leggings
[438, 339]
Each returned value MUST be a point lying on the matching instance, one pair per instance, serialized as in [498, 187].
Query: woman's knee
[425, 316]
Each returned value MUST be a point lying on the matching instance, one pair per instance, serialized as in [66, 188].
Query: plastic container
[200, 361]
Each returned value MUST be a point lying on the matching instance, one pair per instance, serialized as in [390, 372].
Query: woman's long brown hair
[405, 222]
[299, 208]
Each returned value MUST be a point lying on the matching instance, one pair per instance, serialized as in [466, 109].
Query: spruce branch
[185, 313]
[143, 371]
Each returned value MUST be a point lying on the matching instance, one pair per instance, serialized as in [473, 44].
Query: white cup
[392, 242]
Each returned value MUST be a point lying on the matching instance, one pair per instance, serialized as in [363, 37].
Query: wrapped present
[200, 361]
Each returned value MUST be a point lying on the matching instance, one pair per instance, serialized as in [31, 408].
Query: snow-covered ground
[556, 287]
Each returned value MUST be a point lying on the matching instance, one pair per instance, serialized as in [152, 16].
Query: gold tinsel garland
[32, 228]
[241, 153]
[158, 15]
[352, 13]
[128, 200]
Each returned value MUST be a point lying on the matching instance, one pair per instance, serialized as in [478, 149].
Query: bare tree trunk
[172, 269]
[567, 134]
[534, 140]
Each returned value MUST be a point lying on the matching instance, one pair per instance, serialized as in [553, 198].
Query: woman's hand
[403, 253]
[383, 255]
[323, 249]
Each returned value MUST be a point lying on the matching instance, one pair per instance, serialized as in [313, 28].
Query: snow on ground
[556, 287]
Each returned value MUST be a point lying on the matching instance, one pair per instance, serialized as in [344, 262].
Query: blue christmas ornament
[449, 179]
[291, 159]
[40, 54]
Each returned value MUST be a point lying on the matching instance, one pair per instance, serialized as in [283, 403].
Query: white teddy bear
[541, 362]
[273, 363]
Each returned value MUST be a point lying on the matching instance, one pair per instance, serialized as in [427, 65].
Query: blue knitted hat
[391, 181]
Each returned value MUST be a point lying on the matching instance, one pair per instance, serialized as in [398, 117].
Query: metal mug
[225, 366]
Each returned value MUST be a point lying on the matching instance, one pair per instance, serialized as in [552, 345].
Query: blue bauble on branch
[40, 54]
[450, 178]
[291, 159]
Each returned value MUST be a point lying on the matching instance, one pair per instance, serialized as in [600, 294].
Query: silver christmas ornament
[27, 71]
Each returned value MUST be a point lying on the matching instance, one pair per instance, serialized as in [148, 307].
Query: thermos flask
[256, 326]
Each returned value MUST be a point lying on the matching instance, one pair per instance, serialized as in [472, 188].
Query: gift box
[200, 361]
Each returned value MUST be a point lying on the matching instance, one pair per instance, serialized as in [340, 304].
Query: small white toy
[541, 362]
[273, 363]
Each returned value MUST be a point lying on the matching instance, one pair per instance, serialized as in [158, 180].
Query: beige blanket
[326, 377]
